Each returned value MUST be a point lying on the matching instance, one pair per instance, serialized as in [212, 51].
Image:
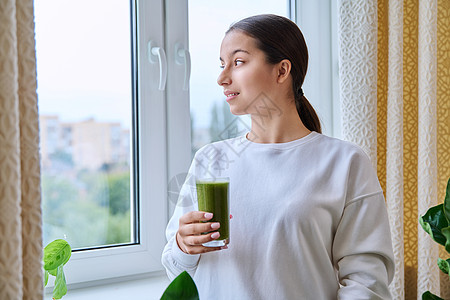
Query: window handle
[182, 56]
[157, 54]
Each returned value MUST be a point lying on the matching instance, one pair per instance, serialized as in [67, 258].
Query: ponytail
[307, 114]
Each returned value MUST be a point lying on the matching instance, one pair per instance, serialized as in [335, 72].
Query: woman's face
[246, 76]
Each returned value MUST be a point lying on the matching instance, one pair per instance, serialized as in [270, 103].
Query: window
[101, 130]
[85, 103]
[121, 115]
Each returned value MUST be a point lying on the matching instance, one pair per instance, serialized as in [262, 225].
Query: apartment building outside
[87, 144]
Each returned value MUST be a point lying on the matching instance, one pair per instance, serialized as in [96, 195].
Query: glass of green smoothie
[213, 197]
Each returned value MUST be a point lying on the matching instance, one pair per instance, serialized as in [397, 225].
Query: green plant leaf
[45, 278]
[181, 288]
[444, 265]
[447, 202]
[446, 232]
[60, 288]
[433, 222]
[429, 296]
[56, 254]
[52, 272]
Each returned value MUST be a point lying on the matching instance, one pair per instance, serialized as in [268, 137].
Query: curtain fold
[21, 274]
[428, 274]
[412, 125]
[394, 142]
[358, 73]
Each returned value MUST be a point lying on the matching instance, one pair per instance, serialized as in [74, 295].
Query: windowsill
[148, 288]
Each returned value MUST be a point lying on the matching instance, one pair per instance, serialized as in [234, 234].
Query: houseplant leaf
[446, 232]
[181, 288]
[56, 253]
[429, 296]
[433, 222]
[444, 265]
[447, 202]
[60, 288]
[45, 278]
[52, 272]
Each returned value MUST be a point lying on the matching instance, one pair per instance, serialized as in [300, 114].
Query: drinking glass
[213, 197]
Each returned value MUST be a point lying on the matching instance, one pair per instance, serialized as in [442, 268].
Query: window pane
[84, 70]
[210, 113]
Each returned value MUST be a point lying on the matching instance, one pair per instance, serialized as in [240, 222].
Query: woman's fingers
[195, 230]
[201, 249]
[193, 244]
[196, 240]
[198, 228]
[195, 216]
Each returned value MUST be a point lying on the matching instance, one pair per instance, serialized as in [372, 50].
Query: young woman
[309, 217]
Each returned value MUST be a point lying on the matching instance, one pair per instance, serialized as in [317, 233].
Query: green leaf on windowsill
[60, 288]
[181, 288]
[52, 272]
[56, 253]
[45, 278]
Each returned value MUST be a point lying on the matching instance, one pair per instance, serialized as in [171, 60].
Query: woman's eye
[236, 63]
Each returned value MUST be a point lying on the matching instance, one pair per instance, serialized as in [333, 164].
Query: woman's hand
[189, 236]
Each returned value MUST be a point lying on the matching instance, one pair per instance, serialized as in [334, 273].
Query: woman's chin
[237, 111]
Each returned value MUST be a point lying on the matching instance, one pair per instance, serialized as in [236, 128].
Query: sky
[83, 59]
[83, 55]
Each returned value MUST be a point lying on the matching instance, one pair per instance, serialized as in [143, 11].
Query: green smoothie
[212, 197]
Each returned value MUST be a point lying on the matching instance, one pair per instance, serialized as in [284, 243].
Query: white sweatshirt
[309, 222]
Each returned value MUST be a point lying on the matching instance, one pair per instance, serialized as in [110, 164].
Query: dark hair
[280, 38]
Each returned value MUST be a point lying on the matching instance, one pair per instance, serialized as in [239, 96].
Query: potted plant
[436, 222]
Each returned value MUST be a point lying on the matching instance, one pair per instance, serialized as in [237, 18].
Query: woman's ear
[284, 69]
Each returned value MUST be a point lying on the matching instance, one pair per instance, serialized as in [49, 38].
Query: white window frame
[164, 129]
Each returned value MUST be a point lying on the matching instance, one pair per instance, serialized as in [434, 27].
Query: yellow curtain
[399, 113]
[21, 274]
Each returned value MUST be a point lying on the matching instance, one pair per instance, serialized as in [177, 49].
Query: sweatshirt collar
[287, 145]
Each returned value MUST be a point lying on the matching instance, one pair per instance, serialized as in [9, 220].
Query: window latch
[182, 57]
[157, 54]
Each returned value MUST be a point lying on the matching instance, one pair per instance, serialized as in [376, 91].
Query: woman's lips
[231, 96]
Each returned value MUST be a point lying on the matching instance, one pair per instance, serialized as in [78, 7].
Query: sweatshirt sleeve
[362, 250]
[362, 247]
[173, 259]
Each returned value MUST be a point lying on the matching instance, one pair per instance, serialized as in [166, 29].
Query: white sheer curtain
[358, 73]
[428, 274]
[21, 274]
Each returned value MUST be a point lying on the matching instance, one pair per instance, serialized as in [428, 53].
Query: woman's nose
[224, 78]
